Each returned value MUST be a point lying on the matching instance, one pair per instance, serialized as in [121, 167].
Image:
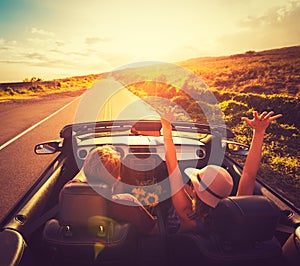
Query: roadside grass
[40, 88]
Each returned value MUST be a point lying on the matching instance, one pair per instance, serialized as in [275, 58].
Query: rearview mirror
[146, 128]
[48, 147]
[236, 148]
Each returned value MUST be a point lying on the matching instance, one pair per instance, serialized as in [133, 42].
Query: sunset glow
[52, 39]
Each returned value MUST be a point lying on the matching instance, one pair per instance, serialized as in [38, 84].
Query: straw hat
[211, 183]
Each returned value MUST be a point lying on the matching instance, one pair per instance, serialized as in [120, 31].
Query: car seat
[83, 232]
[245, 220]
[243, 229]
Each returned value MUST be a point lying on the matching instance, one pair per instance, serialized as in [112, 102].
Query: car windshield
[189, 130]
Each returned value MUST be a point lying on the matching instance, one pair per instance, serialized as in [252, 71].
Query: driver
[210, 184]
[103, 165]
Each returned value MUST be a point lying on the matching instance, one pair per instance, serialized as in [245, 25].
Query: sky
[61, 38]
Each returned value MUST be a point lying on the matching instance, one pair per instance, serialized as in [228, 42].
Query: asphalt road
[19, 165]
[26, 123]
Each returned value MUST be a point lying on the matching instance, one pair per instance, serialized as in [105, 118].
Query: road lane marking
[35, 125]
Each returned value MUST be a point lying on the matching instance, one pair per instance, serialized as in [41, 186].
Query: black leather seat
[84, 232]
[291, 248]
[242, 231]
[12, 247]
[245, 219]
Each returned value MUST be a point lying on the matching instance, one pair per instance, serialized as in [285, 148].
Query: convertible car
[62, 223]
[72, 226]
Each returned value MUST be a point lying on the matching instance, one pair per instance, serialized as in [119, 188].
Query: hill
[268, 72]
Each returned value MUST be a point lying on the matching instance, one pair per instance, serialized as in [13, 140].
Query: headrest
[80, 201]
[245, 219]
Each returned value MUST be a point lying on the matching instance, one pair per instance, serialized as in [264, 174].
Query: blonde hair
[102, 164]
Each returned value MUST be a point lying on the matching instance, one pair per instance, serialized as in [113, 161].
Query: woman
[212, 183]
[103, 164]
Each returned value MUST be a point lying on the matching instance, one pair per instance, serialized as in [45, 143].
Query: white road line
[37, 124]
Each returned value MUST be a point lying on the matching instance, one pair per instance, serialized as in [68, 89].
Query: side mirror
[48, 147]
[235, 147]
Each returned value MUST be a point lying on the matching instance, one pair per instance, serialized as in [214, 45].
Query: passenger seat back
[245, 219]
[84, 233]
[79, 202]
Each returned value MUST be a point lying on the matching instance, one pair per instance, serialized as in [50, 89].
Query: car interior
[70, 224]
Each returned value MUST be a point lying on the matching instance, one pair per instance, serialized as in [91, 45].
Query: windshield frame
[141, 127]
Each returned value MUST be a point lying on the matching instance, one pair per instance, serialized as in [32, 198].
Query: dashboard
[143, 169]
[145, 146]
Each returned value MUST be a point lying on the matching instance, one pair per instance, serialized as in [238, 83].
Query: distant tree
[250, 52]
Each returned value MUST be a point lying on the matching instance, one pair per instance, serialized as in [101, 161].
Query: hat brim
[201, 191]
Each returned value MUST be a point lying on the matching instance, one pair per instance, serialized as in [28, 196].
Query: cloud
[48, 53]
[95, 40]
[36, 56]
[41, 32]
[59, 43]
[7, 48]
[276, 28]
[13, 62]
[44, 52]
[275, 16]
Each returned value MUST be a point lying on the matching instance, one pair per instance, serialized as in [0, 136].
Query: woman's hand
[168, 115]
[260, 122]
